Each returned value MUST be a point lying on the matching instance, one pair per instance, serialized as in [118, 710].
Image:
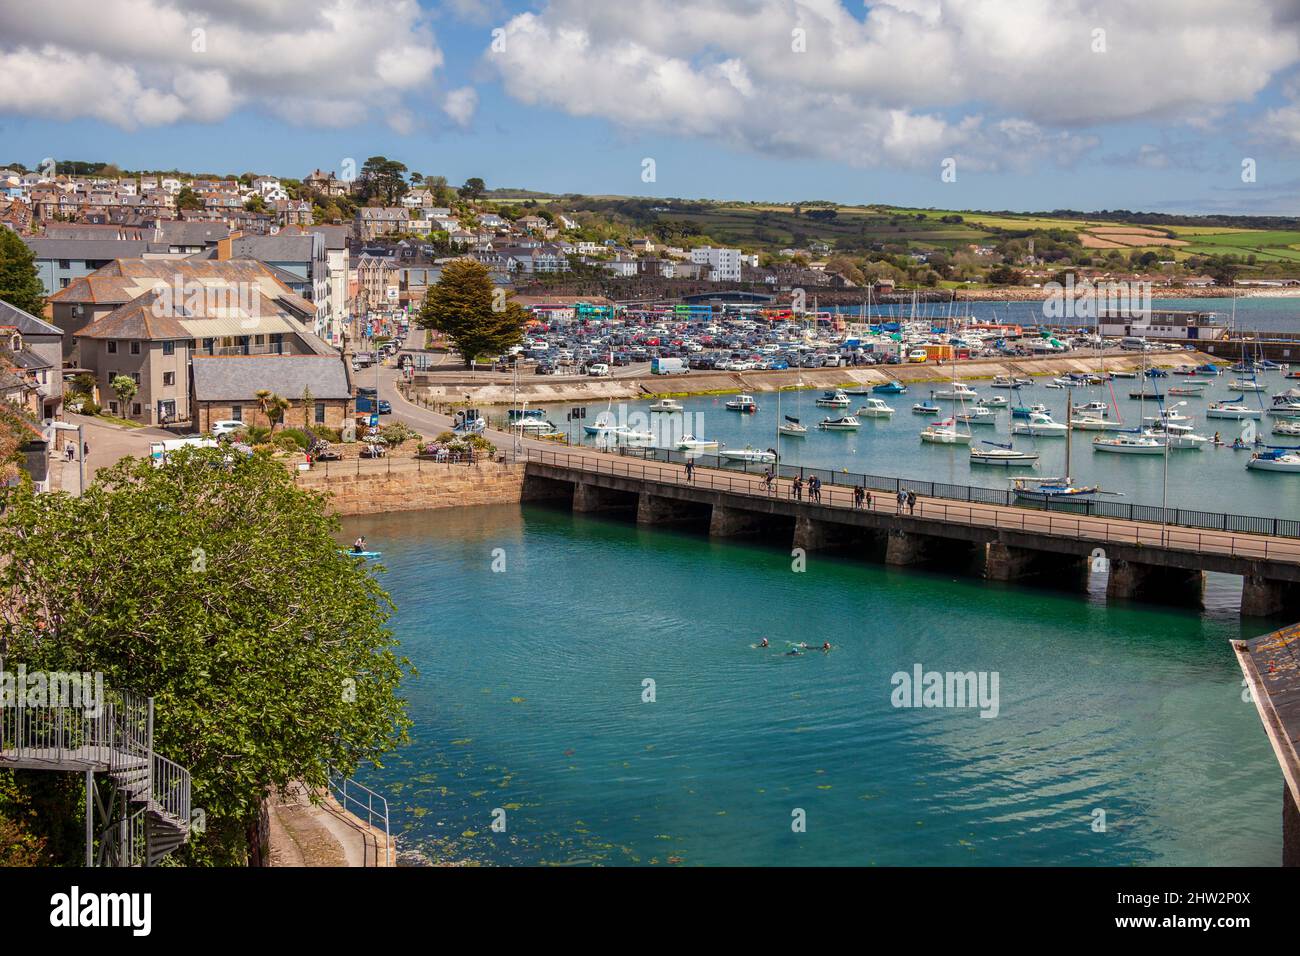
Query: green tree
[382, 178]
[20, 284]
[125, 389]
[478, 318]
[265, 648]
[473, 188]
[273, 406]
[308, 400]
[187, 198]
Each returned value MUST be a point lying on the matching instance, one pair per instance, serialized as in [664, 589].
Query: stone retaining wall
[414, 486]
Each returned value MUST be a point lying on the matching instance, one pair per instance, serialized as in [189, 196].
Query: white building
[724, 264]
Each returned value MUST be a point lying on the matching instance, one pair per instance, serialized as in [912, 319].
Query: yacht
[1040, 424]
[1246, 385]
[1053, 492]
[667, 405]
[1233, 410]
[1003, 455]
[835, 399]
[1177, 440]
[748, 454]
[945, 433]
[744, 403]
[957, 391]
[792, 428]
[1275, 459]
[1287, 426]
[875, 408]
[843, 423]
[1129, 444]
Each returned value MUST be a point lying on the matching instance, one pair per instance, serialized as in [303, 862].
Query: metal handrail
[1079, 527]
[376, 806]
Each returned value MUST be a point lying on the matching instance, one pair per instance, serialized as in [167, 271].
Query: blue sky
[1037, 109]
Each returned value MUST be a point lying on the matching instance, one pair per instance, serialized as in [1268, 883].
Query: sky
[1186, 106]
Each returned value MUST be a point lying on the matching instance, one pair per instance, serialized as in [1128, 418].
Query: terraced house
[148, 319]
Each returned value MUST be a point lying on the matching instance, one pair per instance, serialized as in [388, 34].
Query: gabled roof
[241, 377]
[13, 317]
[125, 279]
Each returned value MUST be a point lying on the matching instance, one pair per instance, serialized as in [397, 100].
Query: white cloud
[995, 83]
[142, 63]
[460, 105]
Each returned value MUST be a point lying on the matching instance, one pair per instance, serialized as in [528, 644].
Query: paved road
[108, 443]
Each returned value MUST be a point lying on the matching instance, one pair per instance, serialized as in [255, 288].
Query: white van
[159, 450]
[600, 370]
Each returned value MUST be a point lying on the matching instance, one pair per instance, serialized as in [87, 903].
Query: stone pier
[814, 535]
[1265, 597]
[727, 522]
[591, 498]
[1005, 562]
[906, 547]
[1154, 582]
[656, 509]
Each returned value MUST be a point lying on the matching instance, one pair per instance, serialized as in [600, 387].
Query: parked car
[366, 403]
[226, 426]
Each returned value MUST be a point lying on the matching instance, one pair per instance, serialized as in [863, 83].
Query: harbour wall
[408, 485]
[446, 389]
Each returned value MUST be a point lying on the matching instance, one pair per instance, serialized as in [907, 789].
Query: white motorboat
[1054, 384]
[1288, 426]
[667, 405]
[1040, 424]
[1129, 444]
[945, 433]
[957, 391]
[691, 443]
[978, 415]
[1001, 381]
[835, 399]
[921, 408]
[994, 401]
[1233, 410]
[1275, 459]
[1002, 455]
[1287, 409]
[630, 436]
[1086, 423]
[1248, 385]
[1093, 409]
[875, 408]
[742, 403]
[1166, 416]
[535, 426]
[1185, 441]
[748, 454]
[843, 423]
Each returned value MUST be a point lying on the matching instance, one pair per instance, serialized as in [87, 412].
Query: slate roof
[13, 317]
[241, 377]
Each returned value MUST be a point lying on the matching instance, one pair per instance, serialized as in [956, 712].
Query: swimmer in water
[826, 646]
[764, 643]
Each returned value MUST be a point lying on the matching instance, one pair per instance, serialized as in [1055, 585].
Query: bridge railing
[1099, 507]
[1130, 527]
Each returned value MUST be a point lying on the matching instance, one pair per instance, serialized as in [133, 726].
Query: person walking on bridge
[796, 489]
[901, 498]
[911, 502]
[690, 470]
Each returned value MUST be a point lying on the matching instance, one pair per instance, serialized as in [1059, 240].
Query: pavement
[109, 443]
[321, 834]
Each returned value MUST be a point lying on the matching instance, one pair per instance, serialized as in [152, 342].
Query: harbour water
[1122, 736]
[1210, 479]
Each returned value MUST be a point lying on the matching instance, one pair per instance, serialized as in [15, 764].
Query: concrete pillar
[1153, 582]
[727, 522]
[1290, 828]
[588, 497]
[904, 548]
[656, 509]
[1004, 562]
[1266, 597]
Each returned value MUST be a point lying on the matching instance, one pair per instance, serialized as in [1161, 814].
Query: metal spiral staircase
[139, 810]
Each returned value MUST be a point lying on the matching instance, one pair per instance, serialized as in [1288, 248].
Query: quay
[1146, 560]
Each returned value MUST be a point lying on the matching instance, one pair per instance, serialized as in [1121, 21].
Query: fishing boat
[1275, 459]
[744, 403]
[923, 408]
[748, 454]
[890, 388]
[1002, 455]
[875, 408]
[843, 423]
[956, 392]
[1129, 444]
[792, 428]
[1232, 409]
[667, 405]
[1022, 411]
[691, 443]
[835, 399]
[1041, 425]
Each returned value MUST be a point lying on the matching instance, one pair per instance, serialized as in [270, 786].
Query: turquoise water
[1211, 479]
[529, 699]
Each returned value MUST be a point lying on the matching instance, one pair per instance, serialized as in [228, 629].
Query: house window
[169, 378]
[166, 410]
[112, 348]
[136, 409]
[135, 348]
[65, 264]
[236, 413]
[169, 348]
[320, 413]
[112, 408]
[63, 283]
[136, 377]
